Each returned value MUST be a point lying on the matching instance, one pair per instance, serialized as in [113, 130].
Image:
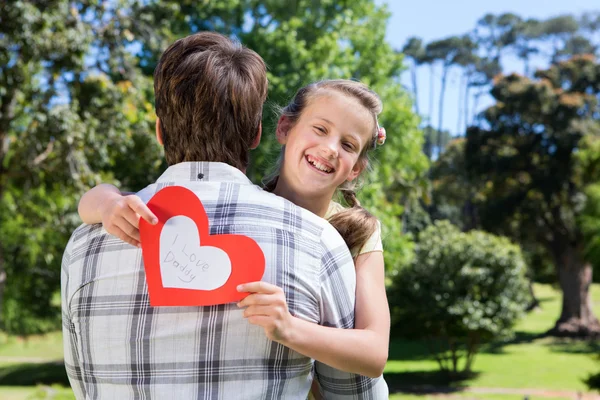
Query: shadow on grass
[404, 349]
[545, 299]
[34, 374]
[427, 382]
[574, 346]
[520, 337]
[593, 381]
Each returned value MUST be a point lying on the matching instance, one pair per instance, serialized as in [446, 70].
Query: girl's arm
[363, 350]
[118, 213]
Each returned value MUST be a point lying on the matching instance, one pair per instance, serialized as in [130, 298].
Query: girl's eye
[320, 130]
[348, 146]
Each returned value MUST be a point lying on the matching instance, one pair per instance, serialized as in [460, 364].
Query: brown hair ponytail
[355, 224]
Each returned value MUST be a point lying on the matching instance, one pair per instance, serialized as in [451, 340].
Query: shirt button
[200, 175]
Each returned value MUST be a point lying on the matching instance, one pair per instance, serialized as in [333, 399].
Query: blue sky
[436, 19]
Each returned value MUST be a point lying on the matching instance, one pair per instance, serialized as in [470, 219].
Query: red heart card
[185, 266]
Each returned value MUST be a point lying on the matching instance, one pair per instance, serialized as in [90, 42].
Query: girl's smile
[320, 165]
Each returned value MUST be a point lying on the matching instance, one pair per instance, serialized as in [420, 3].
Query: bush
[462, 289]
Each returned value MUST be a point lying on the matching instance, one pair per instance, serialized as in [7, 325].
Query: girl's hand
[266, 307]
[121, 215]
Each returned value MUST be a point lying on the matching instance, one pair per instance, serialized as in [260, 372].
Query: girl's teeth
[319, 166]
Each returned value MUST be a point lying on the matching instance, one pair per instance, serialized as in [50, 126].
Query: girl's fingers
[258, 287]
[141, 209]
[124, 223]
[118, 232]
[256, 299]
[127, 213]
[259, 320]
[264, 311]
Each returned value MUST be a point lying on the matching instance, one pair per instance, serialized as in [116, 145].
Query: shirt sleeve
[374, 243]
[338, 288]
[72, 361]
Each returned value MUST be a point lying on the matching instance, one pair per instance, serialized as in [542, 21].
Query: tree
[495, 32]
[76, 109]
[457, 196]
[431, 138]
[449, 52]
[587, 164]
[525, 33]
[416, 52]
[452, 191]
[558, 30]
[577, 45]
[33, 46]
[483, 75]
[461, 290]
[526, 154]
[65, 124]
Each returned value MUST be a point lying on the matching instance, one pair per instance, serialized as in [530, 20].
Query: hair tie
[380, 135]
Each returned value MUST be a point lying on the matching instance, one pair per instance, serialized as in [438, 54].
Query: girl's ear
[358, 168]
[283, 129]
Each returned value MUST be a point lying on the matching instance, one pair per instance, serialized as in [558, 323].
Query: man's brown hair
[209, 93]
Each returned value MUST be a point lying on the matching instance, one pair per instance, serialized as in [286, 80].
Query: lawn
[509, 370]
[526, 362]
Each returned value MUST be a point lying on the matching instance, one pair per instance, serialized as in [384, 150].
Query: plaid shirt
[118, 347]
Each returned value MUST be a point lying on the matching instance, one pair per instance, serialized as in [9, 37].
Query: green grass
[471, 396]
[29, 371]
[527, 361]
[36, 393]
[46, 347]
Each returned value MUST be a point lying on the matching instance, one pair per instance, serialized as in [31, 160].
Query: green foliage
[452, 190]
[66, 123]
[462, 289]
[302, 42]
[76, 108]
[590, 225]
[527, 157]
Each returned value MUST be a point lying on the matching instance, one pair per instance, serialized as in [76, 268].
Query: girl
[326, 132]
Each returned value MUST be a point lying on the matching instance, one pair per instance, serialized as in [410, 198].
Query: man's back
[118, 347]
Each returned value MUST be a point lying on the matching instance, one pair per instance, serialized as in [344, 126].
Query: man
[209, 98]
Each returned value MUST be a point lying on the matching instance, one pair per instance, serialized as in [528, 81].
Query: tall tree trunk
[431, 92]
[441, 109]
[2, 267]
[460, 103]
[526, 63]
[575, 277]
[475, 105]
[2, 285]
[7, 105]
[467, 93]
[534, 302]
[428, 146]
[413, 74]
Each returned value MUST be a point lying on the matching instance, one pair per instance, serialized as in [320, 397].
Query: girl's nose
[329, 150]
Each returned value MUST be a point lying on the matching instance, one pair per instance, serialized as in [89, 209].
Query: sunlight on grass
[36, 393]
[473, 396]
[524, 362]
[44, 347]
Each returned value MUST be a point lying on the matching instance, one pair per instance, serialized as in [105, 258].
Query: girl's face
[322, 150]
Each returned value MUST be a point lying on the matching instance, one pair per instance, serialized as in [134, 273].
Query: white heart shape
[184, 263]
